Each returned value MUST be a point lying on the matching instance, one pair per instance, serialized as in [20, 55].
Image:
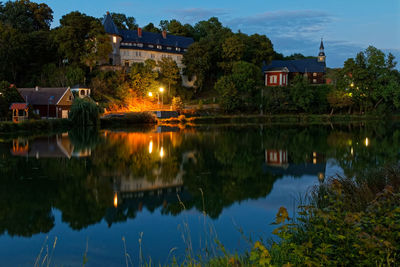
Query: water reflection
[113, 175]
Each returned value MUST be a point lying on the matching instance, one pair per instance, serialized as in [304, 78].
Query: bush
[177, 104]
[84, 112]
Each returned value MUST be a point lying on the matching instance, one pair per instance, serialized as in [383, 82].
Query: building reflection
[57, 146]
[277, 162]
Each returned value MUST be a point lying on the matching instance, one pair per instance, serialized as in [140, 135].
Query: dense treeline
[225, 66]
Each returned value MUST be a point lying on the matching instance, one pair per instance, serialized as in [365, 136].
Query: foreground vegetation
[345, 222]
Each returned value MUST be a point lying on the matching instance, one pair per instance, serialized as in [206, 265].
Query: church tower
[321, 55]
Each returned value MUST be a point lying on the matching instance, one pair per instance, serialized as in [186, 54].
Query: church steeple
[321, 55]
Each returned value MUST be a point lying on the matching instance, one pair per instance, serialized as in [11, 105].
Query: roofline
[156, 50]
[68, 88]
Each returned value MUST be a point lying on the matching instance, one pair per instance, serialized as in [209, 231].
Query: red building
[282, 72]
[48, 102]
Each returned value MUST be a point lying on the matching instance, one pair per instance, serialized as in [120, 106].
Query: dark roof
[299, 65]
[18, 106]
[109, 25]
[79, 86]
[156, 39]
[42, 95]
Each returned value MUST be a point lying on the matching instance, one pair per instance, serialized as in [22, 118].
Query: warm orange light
[115, 200]
[114, 39]
[352, 84]
[161, 89]
[314, 161]
[352, 151]
[162, 152]
[150, 147]
[150, 94]
[366, 141]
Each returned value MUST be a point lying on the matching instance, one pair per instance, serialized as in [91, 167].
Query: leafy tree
[177, 103]
[8, 95]
[151, 28]
[233, 50]
[174, 27]
[169, 72]
[339, 99]
[81, 38]
[372, 79]
[124, 22]
[143, 77]
[84, 112]
[26, 16]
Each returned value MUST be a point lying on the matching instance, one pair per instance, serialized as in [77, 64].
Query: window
[169, 48]
[114, 39]
[82, 92]
[185, 50]
[70, 98]
[178, 49]
[126, 63]
[159, 47]
[314, 80]
[152, 56]
[140, 45]
[151, 46]
[314, 74]
[138, 54]
[273, 79]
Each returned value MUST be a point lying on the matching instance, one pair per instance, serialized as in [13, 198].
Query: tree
[151, 28]
[81, 38]
[232, 50]
[228, 93]
[26, 16]
[84, 112]
[169, 72]
[174, 27]
[97, 47]
[143, 77]
[372, 80]
[124, 22]
[8, 95]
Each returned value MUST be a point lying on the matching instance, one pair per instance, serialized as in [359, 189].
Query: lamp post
[162, 96]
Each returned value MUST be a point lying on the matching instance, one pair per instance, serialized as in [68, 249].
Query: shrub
[177, 104]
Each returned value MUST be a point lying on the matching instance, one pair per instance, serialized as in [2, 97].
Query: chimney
[37, 88]
[164, 34]
[139, 32]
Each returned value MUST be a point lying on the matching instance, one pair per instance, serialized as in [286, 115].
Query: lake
[166, 192]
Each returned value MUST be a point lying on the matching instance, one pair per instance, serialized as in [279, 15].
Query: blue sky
[347, 26]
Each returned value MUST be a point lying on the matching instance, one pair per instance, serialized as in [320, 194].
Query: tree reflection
[210, 170]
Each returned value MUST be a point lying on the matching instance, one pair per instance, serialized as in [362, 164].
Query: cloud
[193, 15]
[295, 23]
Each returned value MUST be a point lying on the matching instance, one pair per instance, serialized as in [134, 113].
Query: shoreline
[143, 119]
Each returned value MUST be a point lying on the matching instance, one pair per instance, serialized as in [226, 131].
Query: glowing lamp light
[150, 147]
[114, 39]
[161, 89]
[150, 94]
[352, 84]
[352, 151]
[115, 200]
[162, 152]
[366, 141]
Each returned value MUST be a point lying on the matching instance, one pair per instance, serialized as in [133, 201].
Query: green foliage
[144, 78]
[124, 22]
[169, 74]
[84, 112]
[348, 222]
[240, 89]
[177, 104]
[372, 80]
[8, 95]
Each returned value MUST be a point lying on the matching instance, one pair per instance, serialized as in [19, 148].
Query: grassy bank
[270, 119]
[63, 125]
[35, 126]
[128, 119]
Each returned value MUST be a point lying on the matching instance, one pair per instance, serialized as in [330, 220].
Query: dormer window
[140, 45]
[159, 47]
[151, 46]
[178, 49]
[185, 50]
[169, 48]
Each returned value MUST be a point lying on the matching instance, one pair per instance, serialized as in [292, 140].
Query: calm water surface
[167, 190]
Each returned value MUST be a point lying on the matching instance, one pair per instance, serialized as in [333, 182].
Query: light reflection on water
[181, 188]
